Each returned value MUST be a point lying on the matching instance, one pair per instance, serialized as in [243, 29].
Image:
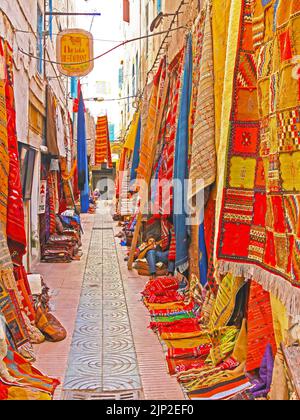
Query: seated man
[154, 254]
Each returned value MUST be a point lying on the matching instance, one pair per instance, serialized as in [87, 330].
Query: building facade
[31, 33]
[142, 56]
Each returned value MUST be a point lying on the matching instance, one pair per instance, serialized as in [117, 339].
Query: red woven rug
[258, 234]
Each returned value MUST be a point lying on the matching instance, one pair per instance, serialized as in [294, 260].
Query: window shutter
[126, 11]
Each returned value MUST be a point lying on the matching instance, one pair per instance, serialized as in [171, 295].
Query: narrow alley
[109, 353]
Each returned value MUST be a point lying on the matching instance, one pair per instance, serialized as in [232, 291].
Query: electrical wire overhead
[122, 44]
[55, 34]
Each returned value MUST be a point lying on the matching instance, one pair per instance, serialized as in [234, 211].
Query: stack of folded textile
[206, 357]
[60, 248]
[64, 245]
[142, 268]
[21, 381]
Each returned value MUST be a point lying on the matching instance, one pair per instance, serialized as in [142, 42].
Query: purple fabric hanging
[262, 385]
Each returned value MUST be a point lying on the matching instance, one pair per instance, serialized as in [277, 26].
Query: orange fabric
[15, 229]
[102, 147]
[64, 172]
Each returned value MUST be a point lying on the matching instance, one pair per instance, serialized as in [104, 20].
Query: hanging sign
[75, 52]
[42, 197]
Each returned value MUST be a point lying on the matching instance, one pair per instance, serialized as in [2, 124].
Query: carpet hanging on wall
[102, 146]
[259, 195]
